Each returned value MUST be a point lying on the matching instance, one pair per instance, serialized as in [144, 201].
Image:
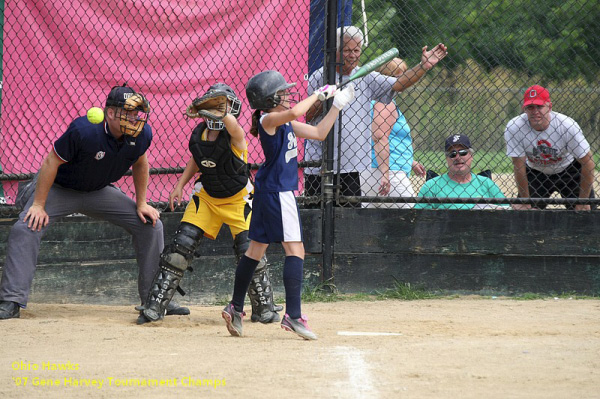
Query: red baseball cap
[537, 95]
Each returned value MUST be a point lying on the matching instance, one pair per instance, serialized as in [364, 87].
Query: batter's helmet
[262, 89]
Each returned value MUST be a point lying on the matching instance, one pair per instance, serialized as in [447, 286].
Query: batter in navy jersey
[275, 212]
[221, 196]
[76, 177]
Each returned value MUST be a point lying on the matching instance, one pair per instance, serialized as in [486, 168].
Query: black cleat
[173, 309]
[142, 319]
[9, 310]
[265, 317]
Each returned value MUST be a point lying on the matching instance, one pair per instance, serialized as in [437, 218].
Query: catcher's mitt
[212, 105]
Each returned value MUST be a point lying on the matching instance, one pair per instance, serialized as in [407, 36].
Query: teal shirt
[444, 187]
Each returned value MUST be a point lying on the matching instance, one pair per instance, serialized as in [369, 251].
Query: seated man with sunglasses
[459, 182]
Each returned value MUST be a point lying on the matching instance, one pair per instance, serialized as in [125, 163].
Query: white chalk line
[360, 382]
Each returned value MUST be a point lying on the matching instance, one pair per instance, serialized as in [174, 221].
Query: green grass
[324, 292]
[328, 292]
[565, 295]
[406, 292]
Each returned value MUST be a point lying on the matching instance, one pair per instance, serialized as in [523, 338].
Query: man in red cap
[549, 152]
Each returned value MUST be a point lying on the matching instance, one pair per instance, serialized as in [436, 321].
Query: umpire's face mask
[131, 123]
[134, 115]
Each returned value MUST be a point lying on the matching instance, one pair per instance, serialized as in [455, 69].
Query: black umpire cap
[118, 95]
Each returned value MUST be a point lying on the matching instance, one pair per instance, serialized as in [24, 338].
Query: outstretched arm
[238, 136]
[274, 119]
[319, 132]
[278, 118]
[429, 58]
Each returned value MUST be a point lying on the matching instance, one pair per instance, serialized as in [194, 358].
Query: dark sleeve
[67, 145]
[147, 135]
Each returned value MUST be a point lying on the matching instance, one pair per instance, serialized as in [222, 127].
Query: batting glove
[325, 92]
[342, 98]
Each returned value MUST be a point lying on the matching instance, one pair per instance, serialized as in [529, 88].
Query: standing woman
[275, 212]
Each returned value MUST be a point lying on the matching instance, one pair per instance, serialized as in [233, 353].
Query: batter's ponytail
[255, 122]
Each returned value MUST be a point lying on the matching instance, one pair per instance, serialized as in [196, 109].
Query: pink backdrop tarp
[61, 58]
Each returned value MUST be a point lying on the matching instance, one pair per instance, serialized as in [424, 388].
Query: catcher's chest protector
[223, 173]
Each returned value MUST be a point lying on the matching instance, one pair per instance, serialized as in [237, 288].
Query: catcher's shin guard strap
[164, 286]
[241, 242]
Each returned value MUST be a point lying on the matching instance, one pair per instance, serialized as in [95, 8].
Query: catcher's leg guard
[260, 291]
[174, 260]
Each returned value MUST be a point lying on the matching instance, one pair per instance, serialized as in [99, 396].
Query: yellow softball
[95, 115]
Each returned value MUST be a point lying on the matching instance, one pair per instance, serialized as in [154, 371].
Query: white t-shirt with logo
[549, 151]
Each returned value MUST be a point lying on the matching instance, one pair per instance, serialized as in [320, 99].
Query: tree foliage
[554, 39]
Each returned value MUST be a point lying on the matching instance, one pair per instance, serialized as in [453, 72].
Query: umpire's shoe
[9, 310]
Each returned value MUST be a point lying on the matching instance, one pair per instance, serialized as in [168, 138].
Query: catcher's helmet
[262, 89]
[235, 108]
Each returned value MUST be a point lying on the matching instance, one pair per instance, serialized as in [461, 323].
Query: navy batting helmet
[262, 89]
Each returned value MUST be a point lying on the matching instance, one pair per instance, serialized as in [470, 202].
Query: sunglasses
[453, 154]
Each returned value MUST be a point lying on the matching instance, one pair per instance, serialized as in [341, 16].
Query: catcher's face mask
[134, 115]
[234, 107]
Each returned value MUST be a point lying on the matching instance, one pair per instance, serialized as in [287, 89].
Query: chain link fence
[61, 58]
[496, 50]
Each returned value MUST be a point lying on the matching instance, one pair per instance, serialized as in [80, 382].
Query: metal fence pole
[327, 186]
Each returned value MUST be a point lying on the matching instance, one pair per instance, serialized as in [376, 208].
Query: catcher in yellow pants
[221, 195]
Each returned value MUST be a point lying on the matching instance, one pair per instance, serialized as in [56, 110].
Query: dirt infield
[467, 347]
